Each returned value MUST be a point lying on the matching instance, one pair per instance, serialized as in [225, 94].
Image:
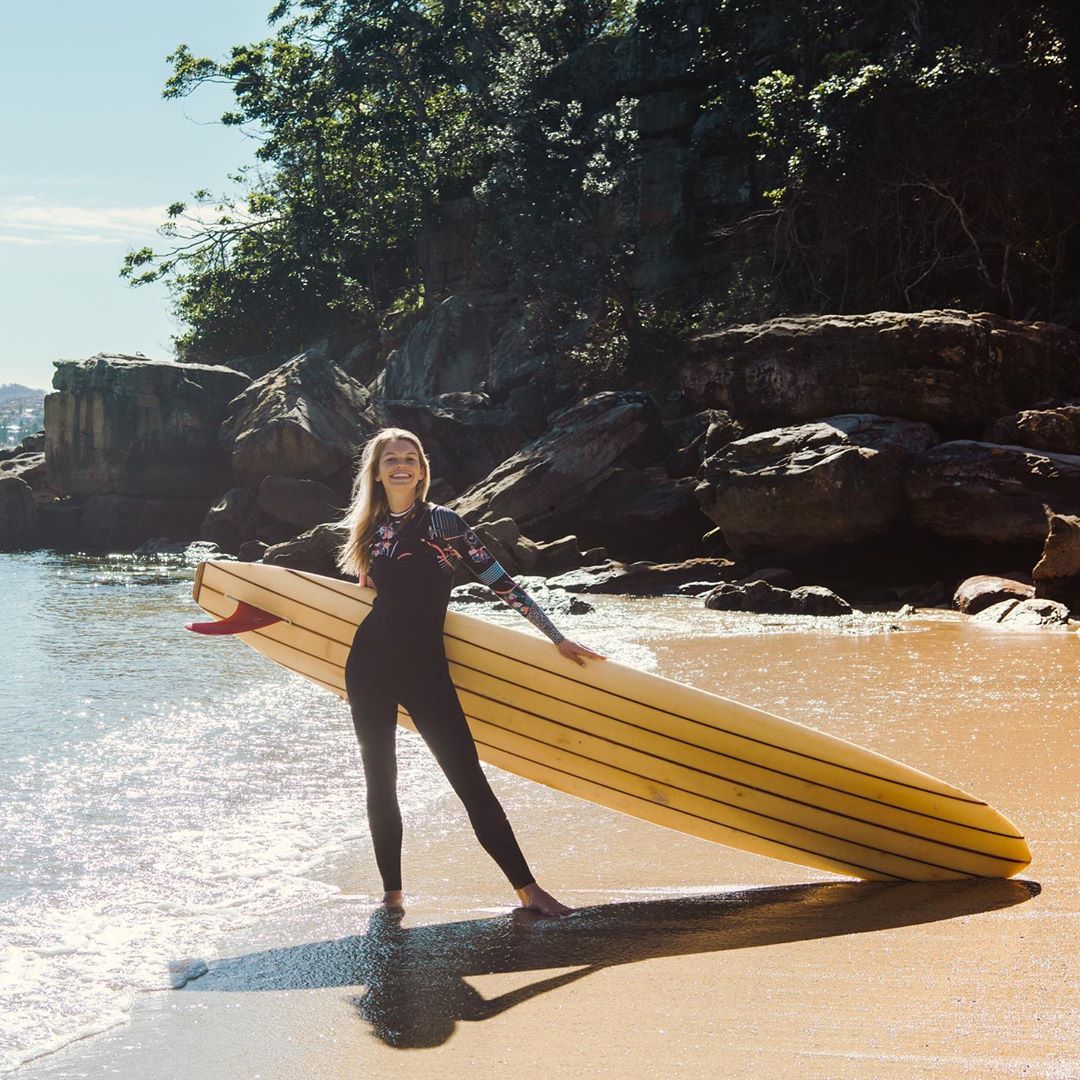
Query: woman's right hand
[573, 651]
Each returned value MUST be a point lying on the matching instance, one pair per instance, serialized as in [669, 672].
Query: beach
[683, 957]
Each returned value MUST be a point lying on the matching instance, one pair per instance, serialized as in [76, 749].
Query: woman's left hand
[573, 651]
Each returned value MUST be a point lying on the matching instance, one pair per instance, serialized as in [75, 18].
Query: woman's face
[399, 467]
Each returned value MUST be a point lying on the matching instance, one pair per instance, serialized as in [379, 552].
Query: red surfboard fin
[245, 617]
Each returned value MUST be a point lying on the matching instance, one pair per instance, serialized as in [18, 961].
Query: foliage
[931, 165]
[900, 155]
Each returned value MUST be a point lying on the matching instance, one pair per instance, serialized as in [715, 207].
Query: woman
[407, 550]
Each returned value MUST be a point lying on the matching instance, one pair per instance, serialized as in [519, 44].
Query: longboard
[645, 745]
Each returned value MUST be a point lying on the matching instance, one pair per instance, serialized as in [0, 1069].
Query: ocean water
[160, 791]
[156, 790]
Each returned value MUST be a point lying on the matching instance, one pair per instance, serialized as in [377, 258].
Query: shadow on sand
[415, 977]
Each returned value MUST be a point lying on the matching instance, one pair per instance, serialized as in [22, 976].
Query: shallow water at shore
[169, 797]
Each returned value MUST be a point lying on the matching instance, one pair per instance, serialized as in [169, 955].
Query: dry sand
[686, 958]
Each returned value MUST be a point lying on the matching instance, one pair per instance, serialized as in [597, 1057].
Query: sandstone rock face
[811, 488]
[977, 593]
[1025, 615]
[948, 368]
[1057, 573]
[990, 493]
[303, 503]
[763, 598]
[447, 350]
[131, 426]
[304, 419]
[18, 516]
[1053, 428]
[578, 452]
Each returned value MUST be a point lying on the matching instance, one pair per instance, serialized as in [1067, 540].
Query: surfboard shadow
[416, 991]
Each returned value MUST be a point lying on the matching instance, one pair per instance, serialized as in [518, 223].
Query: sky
[90, 155]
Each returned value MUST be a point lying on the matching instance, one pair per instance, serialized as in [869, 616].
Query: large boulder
[303, 419]
[315, 551]
[989, 493]
[123, 425]
[1057, 573]
[447, 350]
[811, 488]
[581, 449]
[952, 369]
[1030, 614]
[976, 593]
[762, 598]
[18, 515]
[1052, 427]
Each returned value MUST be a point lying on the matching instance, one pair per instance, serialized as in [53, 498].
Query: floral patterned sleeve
[452, 528]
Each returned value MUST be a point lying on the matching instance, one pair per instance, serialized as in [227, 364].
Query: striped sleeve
[452, 528]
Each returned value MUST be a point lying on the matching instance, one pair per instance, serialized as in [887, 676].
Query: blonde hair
[368, 507]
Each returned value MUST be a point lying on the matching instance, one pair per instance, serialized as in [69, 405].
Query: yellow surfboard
[645, 745]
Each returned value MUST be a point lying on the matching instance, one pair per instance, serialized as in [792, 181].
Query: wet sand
[686, 957]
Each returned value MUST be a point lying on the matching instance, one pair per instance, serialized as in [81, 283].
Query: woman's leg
[374, 713]
[434, 707]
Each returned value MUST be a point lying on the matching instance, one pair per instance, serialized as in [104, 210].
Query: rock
[1025, 614]
[806, 489]
[302, 503]
[697, 436]
[990, 493]
[232, 520]
[58, 522]
[123, 522]
[514, 364]
[121, 425]
[28, 466]
[776, 576]
[817, 600]
[446, 351]
[1054, 428]
[18, 515]
[974, 594]
[951, 369]
[578, 452]
[315, 551]
[1057, 573]
[762, 598]
[645, 578]
[305, 419]
[163, 547]
[252, 551]
[636, 514]
[473, 593]
[558, 556]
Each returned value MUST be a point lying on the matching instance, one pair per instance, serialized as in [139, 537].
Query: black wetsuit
[397, 656]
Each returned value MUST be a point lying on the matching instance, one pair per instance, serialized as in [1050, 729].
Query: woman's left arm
[453, 528]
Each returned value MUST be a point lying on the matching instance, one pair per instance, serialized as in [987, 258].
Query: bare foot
[395, 898]
[536, 899]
